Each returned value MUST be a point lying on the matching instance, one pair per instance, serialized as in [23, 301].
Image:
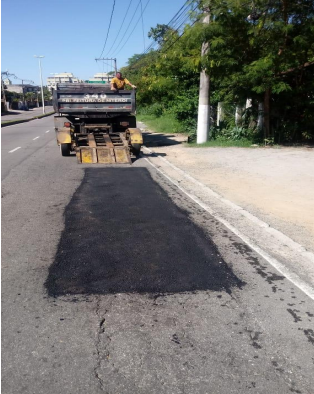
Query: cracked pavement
[85, 336]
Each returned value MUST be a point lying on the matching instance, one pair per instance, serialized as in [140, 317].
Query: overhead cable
[177, 30]
[143, 25]
[176, 15]
[138, 4]
[120, 27]
[175, 22]
[134, 26]
[181, 11]
[114, 3]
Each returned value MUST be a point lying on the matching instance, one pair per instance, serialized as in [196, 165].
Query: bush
[234, 133]
[155, 109]
[223, 134]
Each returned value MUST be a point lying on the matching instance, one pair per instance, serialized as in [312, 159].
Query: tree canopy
[260, 50]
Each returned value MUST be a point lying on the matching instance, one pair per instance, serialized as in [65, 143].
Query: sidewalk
[263, 196]
[276, 185]
[18, 115]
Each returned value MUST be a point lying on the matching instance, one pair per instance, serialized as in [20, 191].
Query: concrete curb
[12, 122]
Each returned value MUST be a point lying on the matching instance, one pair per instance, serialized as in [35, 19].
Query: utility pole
[41, 81]
[106, 58]
[203, 120]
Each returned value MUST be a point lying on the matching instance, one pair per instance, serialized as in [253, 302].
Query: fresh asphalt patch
[123, 234]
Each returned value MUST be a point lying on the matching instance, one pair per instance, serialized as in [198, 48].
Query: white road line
[13, 150]
[295, 279]
[35, 138]
[47, 131]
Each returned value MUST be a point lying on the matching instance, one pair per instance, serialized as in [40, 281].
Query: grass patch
[162, 124]
[15, 121]
[243, 143]
[44, 115]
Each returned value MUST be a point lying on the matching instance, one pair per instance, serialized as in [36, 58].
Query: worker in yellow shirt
[118, 82]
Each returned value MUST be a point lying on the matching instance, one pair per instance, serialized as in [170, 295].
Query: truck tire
[65, 149]
[136, 148]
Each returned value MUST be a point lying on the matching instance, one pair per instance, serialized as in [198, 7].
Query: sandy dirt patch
[275, 184]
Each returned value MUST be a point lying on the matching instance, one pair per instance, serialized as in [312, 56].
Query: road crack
[101, 353]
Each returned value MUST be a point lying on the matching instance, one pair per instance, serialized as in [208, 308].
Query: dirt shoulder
[274, 184]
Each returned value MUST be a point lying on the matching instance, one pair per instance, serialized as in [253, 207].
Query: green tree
[263, 51]
[160, 33]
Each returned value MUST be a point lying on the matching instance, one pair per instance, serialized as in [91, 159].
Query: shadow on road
[12, 113]
[153, 139]
[123, 234]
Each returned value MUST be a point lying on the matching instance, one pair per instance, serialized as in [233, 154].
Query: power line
[179, 37]
[177, 30]
[8, 75]
[120, 27]
[179, 13]
[138, 4]
[180, 19]
[134, 26]
[184, 21]
[114, 3]
[111, 60]
[143, 25]
[175, 20]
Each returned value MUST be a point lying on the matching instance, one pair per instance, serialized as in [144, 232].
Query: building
[61, 78]
[22, 89]
[100, 78]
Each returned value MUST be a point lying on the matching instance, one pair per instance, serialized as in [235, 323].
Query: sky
[72, 33]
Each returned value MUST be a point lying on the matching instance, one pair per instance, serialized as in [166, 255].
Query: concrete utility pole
[41, 81]
[203, 120]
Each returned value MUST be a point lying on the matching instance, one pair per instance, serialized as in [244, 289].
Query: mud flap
[103, 155]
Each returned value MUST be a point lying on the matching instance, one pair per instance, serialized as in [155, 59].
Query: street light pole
[41, 81]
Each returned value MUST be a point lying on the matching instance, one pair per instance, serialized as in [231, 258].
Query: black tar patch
[123, 234]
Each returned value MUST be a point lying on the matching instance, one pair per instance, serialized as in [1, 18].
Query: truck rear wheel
[65, 149]
[136, 148]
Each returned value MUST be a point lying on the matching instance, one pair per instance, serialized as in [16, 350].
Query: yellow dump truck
[96, 123]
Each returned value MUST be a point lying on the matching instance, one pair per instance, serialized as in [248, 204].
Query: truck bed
[76, 99]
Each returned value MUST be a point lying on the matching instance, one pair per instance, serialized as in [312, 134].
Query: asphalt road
[18, 142]
[113, 281]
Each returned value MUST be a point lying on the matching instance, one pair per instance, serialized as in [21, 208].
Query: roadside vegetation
[165, 123]
[31, 99]
[220, 142]
[260, 63]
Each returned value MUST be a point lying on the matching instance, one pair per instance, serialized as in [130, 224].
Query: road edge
[13, 122]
